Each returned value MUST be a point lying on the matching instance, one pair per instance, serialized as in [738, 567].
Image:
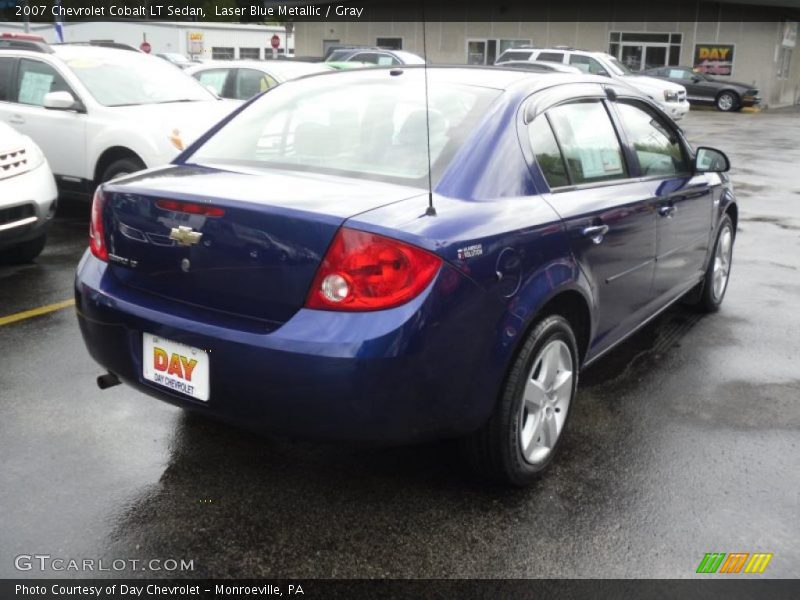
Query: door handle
[595, 233]
[16, 120]
[667, 210]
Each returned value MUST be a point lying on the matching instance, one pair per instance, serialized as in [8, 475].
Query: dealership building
[761, 53]
[204, 40]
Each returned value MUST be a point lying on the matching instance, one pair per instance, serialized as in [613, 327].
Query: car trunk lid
[255, 256]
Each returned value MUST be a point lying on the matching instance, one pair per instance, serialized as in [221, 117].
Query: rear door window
[556, 57]
[548, 155]
[588, 141]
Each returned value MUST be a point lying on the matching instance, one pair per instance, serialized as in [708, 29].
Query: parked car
[670, 97]
[539, 66]
[378, 309]
[375, 56]
[243, 79]
[179, 60]
[704, 89]
[99, 112]
[27, 197]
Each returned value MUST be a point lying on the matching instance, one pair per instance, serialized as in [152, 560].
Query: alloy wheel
[722, 262]
[546, 400]
[725, 102]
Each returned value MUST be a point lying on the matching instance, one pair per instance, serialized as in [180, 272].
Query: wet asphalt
[685, 440]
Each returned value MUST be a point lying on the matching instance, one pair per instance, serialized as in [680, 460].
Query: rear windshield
[515, 55]
[373, 128]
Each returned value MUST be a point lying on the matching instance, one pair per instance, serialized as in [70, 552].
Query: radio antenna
[430, 211]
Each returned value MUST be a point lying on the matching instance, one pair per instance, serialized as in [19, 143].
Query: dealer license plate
[176, 366]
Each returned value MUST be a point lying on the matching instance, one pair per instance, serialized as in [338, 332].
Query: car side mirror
[695, 79]
[710, 160]
[603, 73]
[59, 101]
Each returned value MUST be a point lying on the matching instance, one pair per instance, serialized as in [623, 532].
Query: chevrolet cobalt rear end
[292, 271]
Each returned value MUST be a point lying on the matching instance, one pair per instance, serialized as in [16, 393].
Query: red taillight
[190, 207]
[97, 233]
[363, 271]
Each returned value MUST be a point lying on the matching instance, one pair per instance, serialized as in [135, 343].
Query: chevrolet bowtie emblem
[184, 235]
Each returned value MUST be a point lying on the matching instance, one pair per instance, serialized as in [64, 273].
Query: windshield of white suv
[618, 68]
[124, 78]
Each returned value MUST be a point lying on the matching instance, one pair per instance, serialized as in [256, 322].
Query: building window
[268, 52]
[784, 62]
[390, 43]
[222, 53]
[249, 53]
[640, 51]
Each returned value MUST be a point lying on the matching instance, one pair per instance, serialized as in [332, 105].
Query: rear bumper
[36, 189]
[391, 376]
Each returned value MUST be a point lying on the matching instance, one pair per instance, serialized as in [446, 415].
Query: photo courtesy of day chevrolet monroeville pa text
[383, 299]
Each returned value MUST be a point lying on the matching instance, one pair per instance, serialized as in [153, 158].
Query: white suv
[670, 96]
[27, 197]
[99, 112]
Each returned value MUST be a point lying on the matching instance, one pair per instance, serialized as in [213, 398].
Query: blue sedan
[293, 272]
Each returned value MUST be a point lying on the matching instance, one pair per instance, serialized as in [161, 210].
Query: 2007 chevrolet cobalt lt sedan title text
[287, 273]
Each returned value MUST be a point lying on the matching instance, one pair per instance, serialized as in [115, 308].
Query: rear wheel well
[111, 155]
[573, 307]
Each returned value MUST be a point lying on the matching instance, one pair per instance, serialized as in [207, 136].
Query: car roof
[281, 68]
[495, 77]
[70, 51]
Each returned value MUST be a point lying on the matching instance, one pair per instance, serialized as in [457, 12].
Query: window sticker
[34, 86]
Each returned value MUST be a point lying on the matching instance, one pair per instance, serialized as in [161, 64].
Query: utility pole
[27, 17]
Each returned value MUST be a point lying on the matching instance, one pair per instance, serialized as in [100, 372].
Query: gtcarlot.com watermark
[46, 562]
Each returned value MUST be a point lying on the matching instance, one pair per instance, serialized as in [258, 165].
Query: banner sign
[713, 59]
[195, 42]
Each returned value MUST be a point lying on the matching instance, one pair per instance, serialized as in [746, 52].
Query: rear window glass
[375, 128]
[515, 55]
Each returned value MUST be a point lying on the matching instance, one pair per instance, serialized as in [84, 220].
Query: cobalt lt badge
[185, 236]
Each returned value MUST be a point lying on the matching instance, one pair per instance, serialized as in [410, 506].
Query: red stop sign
[275, 41]
[145, 47]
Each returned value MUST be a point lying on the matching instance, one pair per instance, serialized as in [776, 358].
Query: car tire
[715, 282]
[24, 252]
[533, 407]
[727, 102]
[123, 166]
